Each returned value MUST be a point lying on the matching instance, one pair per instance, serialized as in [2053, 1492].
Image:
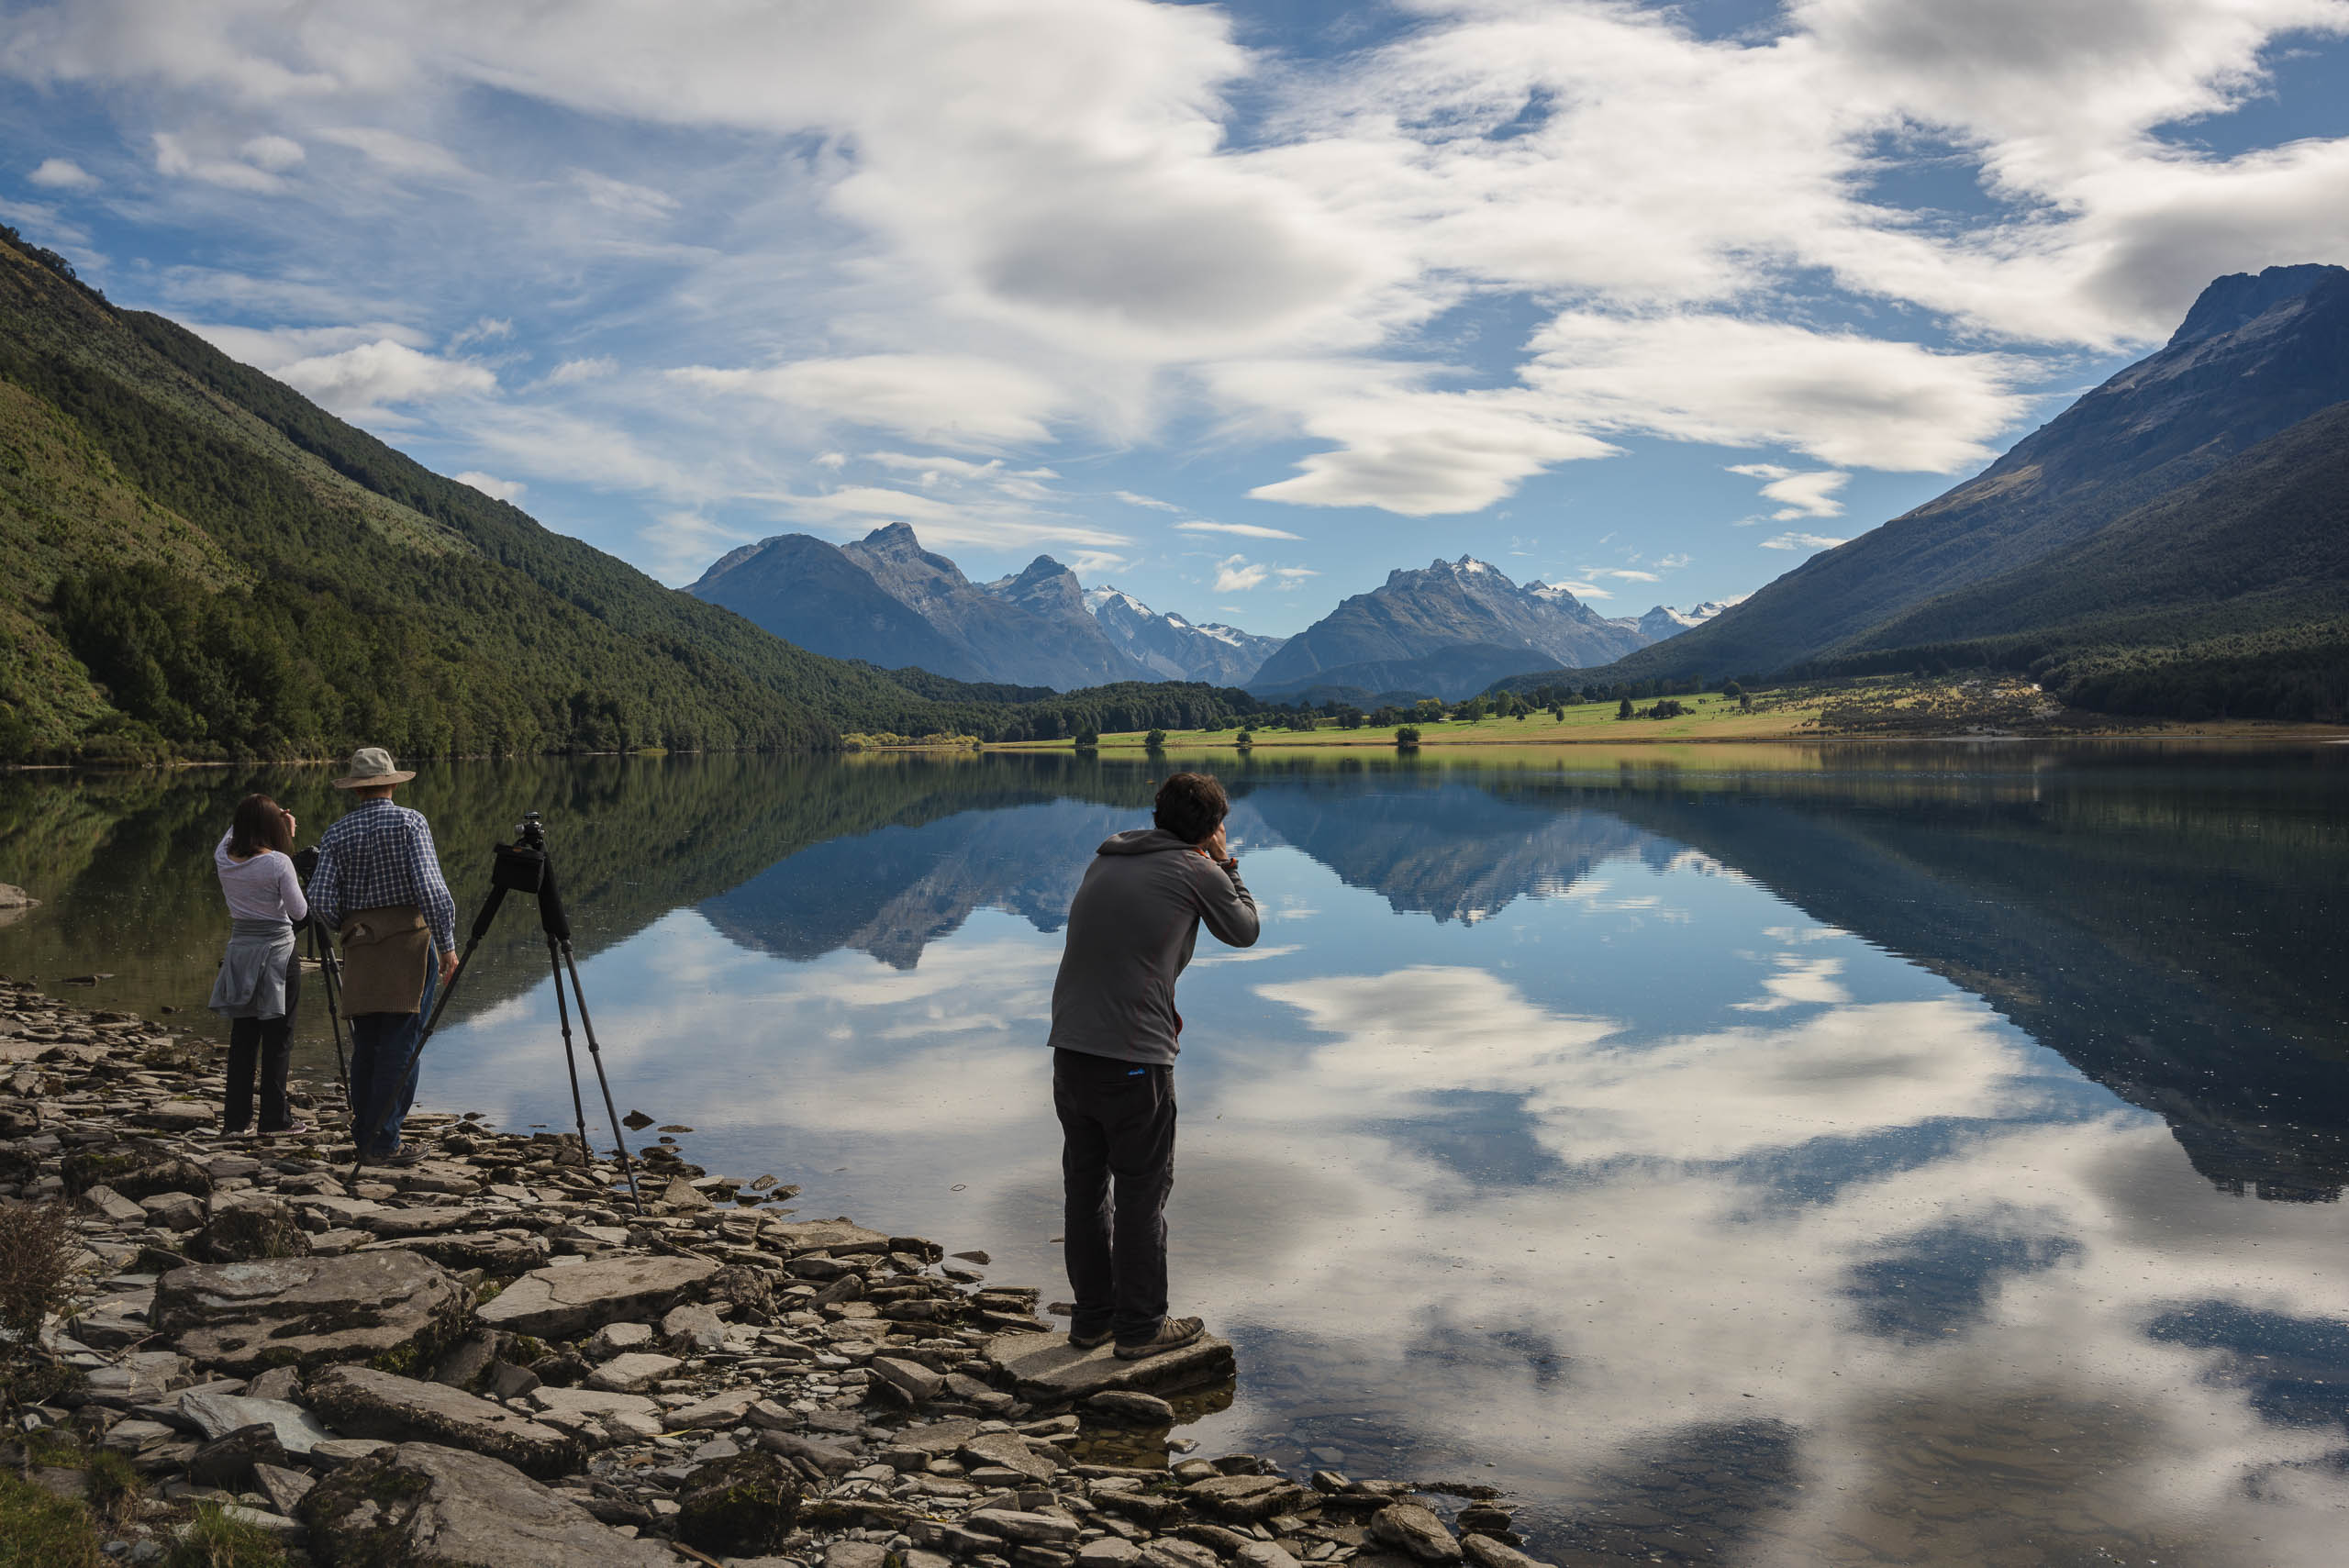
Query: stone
[919, 1383]
[719, 1410]
[567, 1301]
[693, 1331]
[1109, 1552]
[277, 1382]
[589, 1404]
[336, 1453]
[1046, 1369]
[748, 1291]
[617, 1339]
[467, 1363]
[935, 1440]
[1245, 1499]
[1178, 1554]
[1131, 1408]
[829, 1459]
[838, 1237]
[136, 1169]
[283, 1488]
[632, 1374]
[680, 1198]
[175, 1115]
[1415, 1530]
[217, 1415]
[137, 1378]
[1004, 1450]
[507, 1381]
[1486, 1552]
[492, 1254]
[274, 1525]
[421, 1505]
[308, 1312]
[107, 1203]
[227, 1462]
[361, 1402]
[250, 1229]
[856, 1554]
[742, 1504]
[174, 1211]
[1032, 1530]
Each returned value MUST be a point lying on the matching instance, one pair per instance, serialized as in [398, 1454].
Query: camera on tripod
[521, 866]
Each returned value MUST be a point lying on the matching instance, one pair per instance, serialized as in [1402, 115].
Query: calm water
[1770, 1155]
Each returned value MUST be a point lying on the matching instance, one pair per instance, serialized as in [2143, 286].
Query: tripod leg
[570, 1058]
[595, 1054]
[331, 974]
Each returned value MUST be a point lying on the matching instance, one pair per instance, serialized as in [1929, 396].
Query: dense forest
[202, 563]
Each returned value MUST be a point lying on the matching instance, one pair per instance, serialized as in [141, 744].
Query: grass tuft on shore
[42, 1529]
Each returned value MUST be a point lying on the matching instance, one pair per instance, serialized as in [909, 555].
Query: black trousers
[258, 1047]
[1117, 1165]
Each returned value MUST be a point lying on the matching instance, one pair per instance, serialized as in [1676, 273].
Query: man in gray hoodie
[1115, 1032]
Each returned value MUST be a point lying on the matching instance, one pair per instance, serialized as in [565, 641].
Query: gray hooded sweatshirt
[1132, 928]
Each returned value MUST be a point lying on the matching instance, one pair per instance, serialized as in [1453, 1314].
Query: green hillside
[200, 563]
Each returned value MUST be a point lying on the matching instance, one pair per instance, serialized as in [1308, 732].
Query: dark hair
[260, 824]
[1190, 805]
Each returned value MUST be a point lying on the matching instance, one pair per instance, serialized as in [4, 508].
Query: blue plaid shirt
[378, 856]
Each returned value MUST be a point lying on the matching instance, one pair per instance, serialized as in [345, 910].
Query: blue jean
[384, 1062]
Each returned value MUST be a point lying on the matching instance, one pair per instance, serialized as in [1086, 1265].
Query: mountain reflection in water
[1757, 1155]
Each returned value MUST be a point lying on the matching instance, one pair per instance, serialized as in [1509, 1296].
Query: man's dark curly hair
[1189, 806]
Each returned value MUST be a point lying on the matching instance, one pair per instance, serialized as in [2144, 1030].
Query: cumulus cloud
[363, 382]
[62, 175]
[1235, 574]
[490, 484]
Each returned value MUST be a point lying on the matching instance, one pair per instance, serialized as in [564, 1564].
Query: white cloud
[571, 372]
[490, 484]
[62, 175]
[487, 330]
[405, 156]
[1233, 574]
[275, 153]
[1586, 590]
[1803, 495]
[1807, 543]
[953, 401]
[1134, 498]
[362, 381]
[174, 158]
[1242, 530]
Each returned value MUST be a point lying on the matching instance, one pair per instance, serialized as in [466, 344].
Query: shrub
[36, 1257]
[1245, 738]
[1409, 735]
[1155, 739]
[1624, 709]
[1088, 738]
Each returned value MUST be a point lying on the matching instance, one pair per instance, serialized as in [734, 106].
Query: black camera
[521, 866]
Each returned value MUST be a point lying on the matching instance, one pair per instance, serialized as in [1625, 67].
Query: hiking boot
[1173, 1334]
[1089, 1341]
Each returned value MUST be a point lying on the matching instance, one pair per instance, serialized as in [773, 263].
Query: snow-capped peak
[1097, 598]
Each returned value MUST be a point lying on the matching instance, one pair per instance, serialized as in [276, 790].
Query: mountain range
[2178, 538]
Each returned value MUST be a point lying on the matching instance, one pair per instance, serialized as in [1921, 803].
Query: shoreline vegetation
[232, 1353]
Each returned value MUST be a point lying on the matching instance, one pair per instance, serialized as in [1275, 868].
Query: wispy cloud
[1242, 530]
[1804, 543]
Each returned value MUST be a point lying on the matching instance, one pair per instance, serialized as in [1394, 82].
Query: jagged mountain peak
[2238, 299]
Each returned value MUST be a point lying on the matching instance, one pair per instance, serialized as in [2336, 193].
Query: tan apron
[385, 954]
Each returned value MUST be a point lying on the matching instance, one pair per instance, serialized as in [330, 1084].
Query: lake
[1896, 1153]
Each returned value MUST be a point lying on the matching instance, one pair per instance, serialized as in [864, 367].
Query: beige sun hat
[370, 766]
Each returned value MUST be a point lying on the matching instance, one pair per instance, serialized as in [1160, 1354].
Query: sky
[1236, 307]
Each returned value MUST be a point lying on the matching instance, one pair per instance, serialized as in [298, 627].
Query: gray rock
[856, 1554]
[217, 1415]
[107, 1203]
[829, 1459]
[619, 1338]
[562, 1303]
[336, 1453]
[739, 1505]
[838, 1237]
[507, 1381]
[283, 1488]
[1131, 1407]
[1047, 1369]
[1245, 1499]
[361, 1402]
[1178, 1554]
[229, 1461]
[421, 1505]
[719, 1410]
[1109, 1552]
[494, 1254]
[248, 1229]
[1031, 1530]
[632, 1374]
[693, 1331]
[1486, 1552]
[174, 1211]
[1005, 1451]
[307, 1312]
[277, 1382]
[920, 1385]
[1415, 1530]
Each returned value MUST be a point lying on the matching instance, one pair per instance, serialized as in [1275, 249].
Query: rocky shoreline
[490, 1359]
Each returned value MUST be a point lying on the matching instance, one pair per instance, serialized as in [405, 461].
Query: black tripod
[322, 954]
[524, 866]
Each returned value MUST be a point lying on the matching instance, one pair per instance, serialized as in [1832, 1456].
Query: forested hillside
[200, 563]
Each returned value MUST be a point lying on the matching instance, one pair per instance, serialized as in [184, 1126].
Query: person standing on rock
[379, 885]
[1131, 928]
[260, 982]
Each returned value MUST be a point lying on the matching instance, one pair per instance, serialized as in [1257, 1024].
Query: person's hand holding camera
[1217, 849]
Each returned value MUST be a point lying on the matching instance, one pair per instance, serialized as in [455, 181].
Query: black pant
[1117, 1126]
[262, 1046]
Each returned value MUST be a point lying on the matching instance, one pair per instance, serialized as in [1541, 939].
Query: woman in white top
[260, 981]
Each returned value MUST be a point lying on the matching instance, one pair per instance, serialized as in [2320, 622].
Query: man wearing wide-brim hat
[379, 888]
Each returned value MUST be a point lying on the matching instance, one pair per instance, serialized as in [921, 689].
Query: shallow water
[1756, 1155]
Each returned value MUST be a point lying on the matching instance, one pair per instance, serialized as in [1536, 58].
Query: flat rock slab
[306, 1312]
[578, 1298]
[1047, 1369]
[422, 1506]
[594, 1402]
[632, 1371]
[837, 1236]
[217, 1415]
[361, 1402]
[1245, 1499]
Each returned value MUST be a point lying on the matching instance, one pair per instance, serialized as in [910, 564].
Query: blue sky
[1237, 307]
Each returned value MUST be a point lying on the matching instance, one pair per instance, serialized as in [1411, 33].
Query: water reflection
[1790, 1156]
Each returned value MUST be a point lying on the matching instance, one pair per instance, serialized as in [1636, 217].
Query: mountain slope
[1049, 591]
[803, 590]
[2256, 356]
[1178, 649]
[1442, 605]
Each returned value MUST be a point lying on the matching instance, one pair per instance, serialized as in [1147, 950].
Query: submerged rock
[1047, 1369]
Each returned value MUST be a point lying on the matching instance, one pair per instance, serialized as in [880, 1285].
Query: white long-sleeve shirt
[262, 888]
